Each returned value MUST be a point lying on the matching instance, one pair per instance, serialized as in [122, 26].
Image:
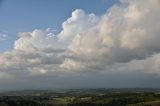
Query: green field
[82, 97]
[151, 103]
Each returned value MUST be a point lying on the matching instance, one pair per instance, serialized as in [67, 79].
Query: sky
[27, 15]
[79, 44]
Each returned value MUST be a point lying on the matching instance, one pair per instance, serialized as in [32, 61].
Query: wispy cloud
[3, 36]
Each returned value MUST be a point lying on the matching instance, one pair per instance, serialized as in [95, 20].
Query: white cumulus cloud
[123, 41]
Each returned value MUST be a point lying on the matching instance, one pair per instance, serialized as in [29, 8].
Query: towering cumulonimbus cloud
[123, 40]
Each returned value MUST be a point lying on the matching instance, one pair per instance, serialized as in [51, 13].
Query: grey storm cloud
[120, 43]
